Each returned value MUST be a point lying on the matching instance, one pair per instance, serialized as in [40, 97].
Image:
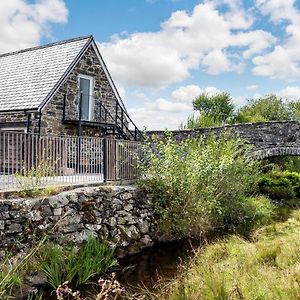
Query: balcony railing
[106, 113]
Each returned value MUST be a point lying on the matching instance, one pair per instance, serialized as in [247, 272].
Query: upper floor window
[86, 84]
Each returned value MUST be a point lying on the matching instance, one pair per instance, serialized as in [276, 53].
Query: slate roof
[28, 76]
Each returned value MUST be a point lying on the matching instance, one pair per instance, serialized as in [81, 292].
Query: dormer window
[86, 84]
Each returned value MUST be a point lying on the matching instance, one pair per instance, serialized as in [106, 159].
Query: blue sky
[163, 53]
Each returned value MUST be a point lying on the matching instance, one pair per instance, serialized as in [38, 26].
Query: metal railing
[121, 159]
[30, 160]
[108, 113]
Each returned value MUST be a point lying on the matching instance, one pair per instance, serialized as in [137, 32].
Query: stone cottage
[62, 88]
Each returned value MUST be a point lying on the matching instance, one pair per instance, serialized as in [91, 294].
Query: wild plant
[30, 179]
[197, 183]
[77, 265]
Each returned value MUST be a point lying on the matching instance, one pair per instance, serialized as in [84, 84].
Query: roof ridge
[47, 45]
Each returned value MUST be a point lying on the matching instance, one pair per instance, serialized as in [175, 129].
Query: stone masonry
[52, 115]
[121, 215]
[279, 138]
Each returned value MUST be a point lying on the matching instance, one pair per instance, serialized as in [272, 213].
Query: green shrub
[196, 183]
[280, 185]
[249, 214]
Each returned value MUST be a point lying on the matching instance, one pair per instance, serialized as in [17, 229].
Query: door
[85, 89]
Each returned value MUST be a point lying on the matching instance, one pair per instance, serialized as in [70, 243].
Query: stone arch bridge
[277, 138]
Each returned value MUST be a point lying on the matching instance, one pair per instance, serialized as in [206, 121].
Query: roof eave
[26, 110]
[103, 65]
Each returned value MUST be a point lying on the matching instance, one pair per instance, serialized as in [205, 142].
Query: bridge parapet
[277, 138]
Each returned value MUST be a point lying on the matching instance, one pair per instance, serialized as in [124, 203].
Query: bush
[249, 214]
[280, 185]
[196, 183]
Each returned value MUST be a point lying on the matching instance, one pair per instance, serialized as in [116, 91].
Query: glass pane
[84, 87]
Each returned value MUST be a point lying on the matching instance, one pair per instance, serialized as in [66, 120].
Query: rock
[143, 226]
[124, 244]
[58, 201]
[126, 196]
[121, 221]
[37, 279]
[81, 198]
[93, 227]
[116, 201]
[70, 228]
[46, 210]
[147, 241]
[4, 208]
[112, 222]
[129, 219]
[119, 215]
[57, 211]
[35, 215]
[132, 233]
[14, 228]
[128, 207]
[69, 223]
[123, 213]
[73, 197]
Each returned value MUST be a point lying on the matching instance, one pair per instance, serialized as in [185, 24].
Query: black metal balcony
[106, 114]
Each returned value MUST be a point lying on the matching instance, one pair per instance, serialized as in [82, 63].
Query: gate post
[105, 164]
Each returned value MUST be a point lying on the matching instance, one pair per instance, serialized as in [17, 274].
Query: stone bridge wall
[269, 138]
[121, 215]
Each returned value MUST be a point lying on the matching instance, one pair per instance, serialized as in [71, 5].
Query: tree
[294, 109]
[269, 108]
[219, 107]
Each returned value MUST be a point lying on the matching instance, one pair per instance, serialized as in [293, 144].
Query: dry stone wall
[121, 215]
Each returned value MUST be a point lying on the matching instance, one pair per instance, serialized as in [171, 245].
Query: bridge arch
[277, 151]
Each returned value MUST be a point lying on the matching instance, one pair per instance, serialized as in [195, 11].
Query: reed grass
[266, 267]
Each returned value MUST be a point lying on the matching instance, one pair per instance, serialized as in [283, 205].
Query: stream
[158, 263]
[148, 268]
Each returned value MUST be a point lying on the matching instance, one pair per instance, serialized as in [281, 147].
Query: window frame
[91, 98]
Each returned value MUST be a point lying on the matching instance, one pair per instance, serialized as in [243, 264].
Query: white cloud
[278, 9]
[252, 87]
[290, 93]
[186, 93]
[22, 23]
[284, 61]
[164, 105]
[168, 113]
[186, 42]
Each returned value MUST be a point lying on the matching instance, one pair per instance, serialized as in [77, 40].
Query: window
[86, 93]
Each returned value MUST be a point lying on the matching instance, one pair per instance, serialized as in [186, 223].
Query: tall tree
[219, 107]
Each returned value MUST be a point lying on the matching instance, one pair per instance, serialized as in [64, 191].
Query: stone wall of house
[52, 114]
[269, 138]
[121, 215]
[12, 117]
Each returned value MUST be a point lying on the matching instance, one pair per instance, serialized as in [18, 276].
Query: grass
[76, 265]
[265, 267]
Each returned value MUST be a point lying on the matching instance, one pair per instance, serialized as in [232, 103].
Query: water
[161, 262]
